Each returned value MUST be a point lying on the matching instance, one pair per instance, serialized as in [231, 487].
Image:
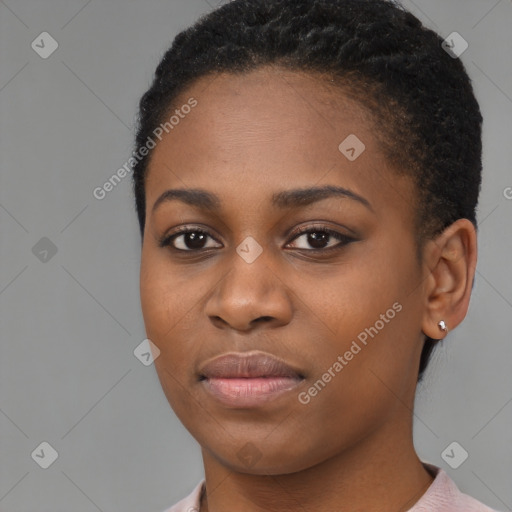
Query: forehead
[259, 131]
[272, 106]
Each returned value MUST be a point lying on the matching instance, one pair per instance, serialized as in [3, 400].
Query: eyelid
[317, 227]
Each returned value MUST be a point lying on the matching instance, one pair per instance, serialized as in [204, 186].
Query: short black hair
[378, 53]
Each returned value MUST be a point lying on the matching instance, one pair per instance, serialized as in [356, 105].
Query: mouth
[248, 379]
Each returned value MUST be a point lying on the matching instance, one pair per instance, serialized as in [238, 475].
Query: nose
[250, 294]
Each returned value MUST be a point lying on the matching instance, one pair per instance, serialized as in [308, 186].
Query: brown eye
[188, 240]
[321, 238]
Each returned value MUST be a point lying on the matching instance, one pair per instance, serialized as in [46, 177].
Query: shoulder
[189, 503]
[443, 495]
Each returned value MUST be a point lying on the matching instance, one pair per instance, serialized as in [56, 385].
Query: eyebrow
[285, 199]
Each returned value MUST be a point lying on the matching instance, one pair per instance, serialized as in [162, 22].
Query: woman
[306, 181]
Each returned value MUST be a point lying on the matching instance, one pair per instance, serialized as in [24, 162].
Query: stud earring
[442, 326]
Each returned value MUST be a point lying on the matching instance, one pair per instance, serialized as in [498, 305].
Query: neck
[376, 475]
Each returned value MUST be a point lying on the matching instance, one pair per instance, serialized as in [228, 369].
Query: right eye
[187, 239]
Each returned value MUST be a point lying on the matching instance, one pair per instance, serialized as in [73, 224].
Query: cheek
[354, 296]
[370, 315]
[165, 292]
[171, 301]
[164, 303]
[164, 310]
[156, 301]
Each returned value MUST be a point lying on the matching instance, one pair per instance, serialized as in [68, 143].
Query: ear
[449, 266]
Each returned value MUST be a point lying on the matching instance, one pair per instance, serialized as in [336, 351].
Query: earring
[442, 326]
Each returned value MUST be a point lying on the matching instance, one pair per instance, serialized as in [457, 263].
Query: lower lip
[249, 392]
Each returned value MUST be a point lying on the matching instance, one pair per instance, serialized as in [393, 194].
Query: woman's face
[343, 310]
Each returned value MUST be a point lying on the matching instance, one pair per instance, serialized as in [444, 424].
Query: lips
[248, 380]
[247, 365]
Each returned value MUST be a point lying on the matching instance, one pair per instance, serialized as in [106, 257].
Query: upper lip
[247, 365]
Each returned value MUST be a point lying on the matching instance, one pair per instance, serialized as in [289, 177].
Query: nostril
[265, 318]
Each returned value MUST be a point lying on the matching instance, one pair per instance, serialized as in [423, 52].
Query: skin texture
[350, 447]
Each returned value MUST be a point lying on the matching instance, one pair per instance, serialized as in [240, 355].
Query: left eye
[319, 239]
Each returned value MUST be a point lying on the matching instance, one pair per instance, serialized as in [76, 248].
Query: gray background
[70, 324]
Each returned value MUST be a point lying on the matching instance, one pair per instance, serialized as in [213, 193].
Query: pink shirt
[442, 496]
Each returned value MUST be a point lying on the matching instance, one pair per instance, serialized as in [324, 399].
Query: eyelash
[343, 239]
